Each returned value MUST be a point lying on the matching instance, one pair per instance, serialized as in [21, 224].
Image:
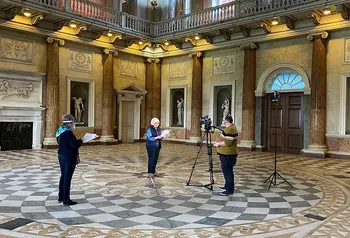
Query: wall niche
[222, 103]
[177, 103]
[79, 102]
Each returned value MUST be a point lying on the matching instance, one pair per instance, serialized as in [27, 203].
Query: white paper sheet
[89, 137]
[165, 133]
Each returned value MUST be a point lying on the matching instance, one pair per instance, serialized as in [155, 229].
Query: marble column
[172, 8]
[153, 88]
[108, 96]
[52, 90]
[317, 144]
[196, 101]
[248, 106]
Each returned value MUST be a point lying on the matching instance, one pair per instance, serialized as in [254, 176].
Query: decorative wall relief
[17, 50]
[81, 61]
[177, 70]
[22, 91]
[347, 50]
[224, 64]
[128, 68]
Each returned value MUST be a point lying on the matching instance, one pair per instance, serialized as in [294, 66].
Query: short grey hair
[68, 118]
[154, 120]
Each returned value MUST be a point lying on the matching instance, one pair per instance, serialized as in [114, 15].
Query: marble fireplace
[21, 97]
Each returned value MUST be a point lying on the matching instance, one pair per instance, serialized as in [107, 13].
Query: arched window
[287, 81]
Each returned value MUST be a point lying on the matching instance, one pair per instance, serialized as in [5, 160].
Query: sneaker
[150, 175]
[225, 193]
[221, 189]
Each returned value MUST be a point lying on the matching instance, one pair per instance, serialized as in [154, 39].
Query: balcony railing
[223, 13]
[98, 12]
[211, 16]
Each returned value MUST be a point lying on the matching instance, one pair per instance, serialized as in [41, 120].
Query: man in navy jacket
[68, 152]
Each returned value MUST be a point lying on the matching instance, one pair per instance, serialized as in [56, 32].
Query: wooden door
[285, 124]
[128, 122]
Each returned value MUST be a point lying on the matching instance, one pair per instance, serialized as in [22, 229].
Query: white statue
[78, 107]
[226, 112]
[180, 107]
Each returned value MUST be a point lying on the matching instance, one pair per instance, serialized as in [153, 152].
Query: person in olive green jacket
[227, 150]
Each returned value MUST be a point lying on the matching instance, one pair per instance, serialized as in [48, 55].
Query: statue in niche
[226, 112]
[78, 108]
[180, 107]
[4, 88]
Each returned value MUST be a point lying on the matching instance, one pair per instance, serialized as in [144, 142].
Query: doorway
[128, 122]
[285, 124]
[16, 135]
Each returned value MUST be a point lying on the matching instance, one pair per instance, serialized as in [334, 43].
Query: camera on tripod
[206, 122]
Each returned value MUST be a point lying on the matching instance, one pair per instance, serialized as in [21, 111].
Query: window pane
[287, 80]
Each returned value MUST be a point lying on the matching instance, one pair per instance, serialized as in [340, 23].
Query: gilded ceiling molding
[145, 44]
[191, 40]
[266, 26]
[196, 54]
[51, 39]
[163, 47]
[153, 60]
[322, 34]
[115, 36]
[36, 18]
[108, 51]
[79, 29]
[250, 45]
[316, 18]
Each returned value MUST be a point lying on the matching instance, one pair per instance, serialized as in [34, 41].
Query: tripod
[207, 136]
[274, 175]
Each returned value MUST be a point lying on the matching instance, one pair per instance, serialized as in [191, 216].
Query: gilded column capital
[108, 51]
[195, 54]
[322, 34]
[51, 39]
[250, 45]
[151, 60]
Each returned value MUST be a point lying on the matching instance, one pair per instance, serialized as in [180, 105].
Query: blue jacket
[151, 142]
[68, 147]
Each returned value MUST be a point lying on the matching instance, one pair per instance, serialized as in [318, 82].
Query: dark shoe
[60, 200]
[225, 193]
[69, 203]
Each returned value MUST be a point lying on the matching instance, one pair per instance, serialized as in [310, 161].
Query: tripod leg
[195, 161]
[268, 178]
[284, 180]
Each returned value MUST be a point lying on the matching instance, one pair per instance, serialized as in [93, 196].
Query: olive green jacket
[229, 136]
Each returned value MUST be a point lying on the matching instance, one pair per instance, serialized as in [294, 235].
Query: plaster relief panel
[128, 68]
[15, 92]
[224, 64]
[177, 70]
[17, 50]
[347, 50]
[81, 61]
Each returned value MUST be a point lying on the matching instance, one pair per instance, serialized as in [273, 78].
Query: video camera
[206, 121]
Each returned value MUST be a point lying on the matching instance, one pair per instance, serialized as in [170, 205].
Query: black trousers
[67, 171]
[153, 154]
[227, 164]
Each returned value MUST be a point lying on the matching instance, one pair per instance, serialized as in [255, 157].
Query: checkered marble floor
[115, 196]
